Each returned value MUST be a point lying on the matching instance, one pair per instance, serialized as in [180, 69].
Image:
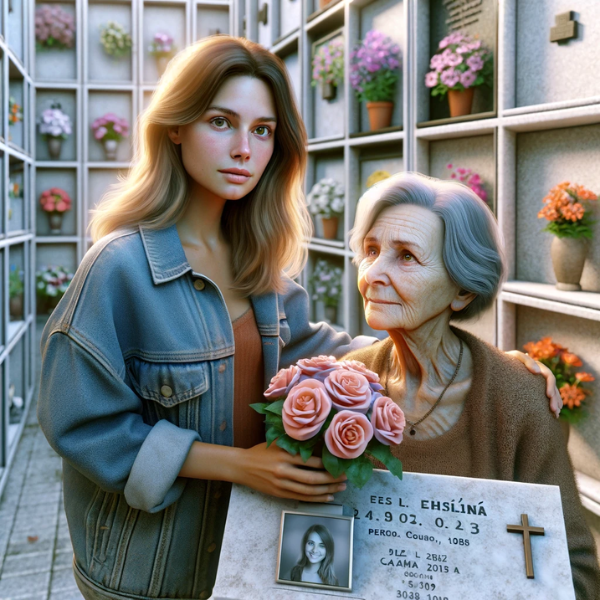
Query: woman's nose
[241, 146]
[377, 272]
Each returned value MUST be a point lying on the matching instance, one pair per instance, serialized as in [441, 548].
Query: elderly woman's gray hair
[473, 251]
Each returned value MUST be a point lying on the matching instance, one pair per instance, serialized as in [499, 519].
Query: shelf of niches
[322, 19]
[458, 129]
[553, 119]
[286, 44]
[16, 73]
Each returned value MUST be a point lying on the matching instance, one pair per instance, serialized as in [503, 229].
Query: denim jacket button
[212, 547]
[199, 284]
[223, 426]
[222, 368]
[166, 391]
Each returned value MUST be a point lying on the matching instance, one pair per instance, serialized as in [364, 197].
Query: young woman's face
[315, 548]
[228, 148]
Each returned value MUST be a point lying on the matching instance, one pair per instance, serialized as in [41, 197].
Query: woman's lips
[236, 177]
[380, 301]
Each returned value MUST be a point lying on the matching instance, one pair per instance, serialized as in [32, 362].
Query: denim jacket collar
[165, 253]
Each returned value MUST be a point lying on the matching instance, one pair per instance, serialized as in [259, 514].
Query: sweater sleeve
[542, 458]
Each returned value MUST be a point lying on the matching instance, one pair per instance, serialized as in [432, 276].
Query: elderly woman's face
[403, 279]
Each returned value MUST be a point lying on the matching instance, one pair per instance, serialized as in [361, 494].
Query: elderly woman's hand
[536, 367]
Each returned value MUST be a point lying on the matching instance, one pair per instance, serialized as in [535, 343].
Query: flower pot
[15, 306]
[110, 149]
[330, 227]
[568, 257]
[331, 314]
[380, 114]
[54, 147]
[161, 64]
[323, 3]
[55, 219]
[328, 91]
[460, 102]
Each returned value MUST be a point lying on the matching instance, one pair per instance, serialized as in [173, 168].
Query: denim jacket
[137, 364]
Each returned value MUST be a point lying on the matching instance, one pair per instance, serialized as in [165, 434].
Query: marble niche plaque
[427, 537]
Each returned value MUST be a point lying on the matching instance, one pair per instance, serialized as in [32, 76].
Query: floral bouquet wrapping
[335, 410]
[568, 380]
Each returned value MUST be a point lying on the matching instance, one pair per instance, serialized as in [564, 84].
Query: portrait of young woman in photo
[175, 322]
[316, 563]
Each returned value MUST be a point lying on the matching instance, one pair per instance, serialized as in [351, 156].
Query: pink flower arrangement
[328, 63]
[337, 409]
[461, 62]
[54, 27]
[110, 127]
[470, 179]
[55, 200]
[161, 45]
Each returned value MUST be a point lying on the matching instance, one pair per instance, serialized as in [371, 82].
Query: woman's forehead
[406, 223]
[315, 537]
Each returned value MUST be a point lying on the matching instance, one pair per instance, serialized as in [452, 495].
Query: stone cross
[565, 28]
[527, 531]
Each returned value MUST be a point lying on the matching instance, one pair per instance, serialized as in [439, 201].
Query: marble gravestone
[427, 537]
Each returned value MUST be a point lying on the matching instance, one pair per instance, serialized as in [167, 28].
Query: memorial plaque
[427, 537]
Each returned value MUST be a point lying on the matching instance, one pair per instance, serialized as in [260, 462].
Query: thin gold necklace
[413, 425]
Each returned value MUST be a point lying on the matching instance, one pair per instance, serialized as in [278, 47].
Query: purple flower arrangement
[461, 62]
[110, 127]
[54, 123]
[375, 67]
[54, 27]
[328, 63]
[162, 45]
[470, 179]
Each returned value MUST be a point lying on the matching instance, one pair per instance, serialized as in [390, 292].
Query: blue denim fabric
[137, 364]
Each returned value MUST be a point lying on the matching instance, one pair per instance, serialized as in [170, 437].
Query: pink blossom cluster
[374, 54]
[315, 387]
[54, 27]
[55, 200]
[110, 127]
[161, 44]
[459, 62]
[328, 63]
[470, 179]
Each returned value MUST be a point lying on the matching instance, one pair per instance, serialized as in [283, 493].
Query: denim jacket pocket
[168, 384]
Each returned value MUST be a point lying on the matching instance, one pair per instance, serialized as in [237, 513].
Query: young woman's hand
[275, 472]
[537, 367]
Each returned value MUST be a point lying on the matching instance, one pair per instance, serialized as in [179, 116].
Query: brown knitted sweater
[504, 432]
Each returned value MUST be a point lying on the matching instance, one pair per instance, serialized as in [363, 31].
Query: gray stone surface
[391, 517]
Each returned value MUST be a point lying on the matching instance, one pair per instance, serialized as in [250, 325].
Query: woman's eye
[219, 122]
[371, 251]
[263, 131]
[407, 257]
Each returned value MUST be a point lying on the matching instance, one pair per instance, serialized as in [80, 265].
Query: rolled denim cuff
[362, 341]
[153, 482]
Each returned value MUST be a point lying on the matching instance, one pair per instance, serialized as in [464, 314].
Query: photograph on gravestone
[315, 550]
[477, 19]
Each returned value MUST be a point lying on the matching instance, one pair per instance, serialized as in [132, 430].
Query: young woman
[316, 563]
[175, 322]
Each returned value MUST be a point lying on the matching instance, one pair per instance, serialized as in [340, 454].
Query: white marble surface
[491, 567]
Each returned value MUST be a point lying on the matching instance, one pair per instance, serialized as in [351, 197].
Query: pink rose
[281, 384]
[388, 421]
[305, 410]
[348, 434]
[349, 390]
[357, 367]
[310, 366]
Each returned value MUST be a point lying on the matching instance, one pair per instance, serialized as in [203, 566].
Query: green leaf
[305, 451]
[332, 463]
[273, 419]
[272, 434]
[259, 407]
[288, 444]
[384, 455]
[275, 407]
[359, 471]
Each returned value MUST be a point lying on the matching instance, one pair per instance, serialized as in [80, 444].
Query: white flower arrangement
[54, 123]
[326, 282]
[115, 40]
[326, 198]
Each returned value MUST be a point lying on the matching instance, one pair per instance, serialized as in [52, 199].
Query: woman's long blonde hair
[267, 228]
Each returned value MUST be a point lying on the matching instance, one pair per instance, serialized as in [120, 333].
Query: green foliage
[15, 282]
[359, 471]
[563, 228]
[384, 455]
[381, 88]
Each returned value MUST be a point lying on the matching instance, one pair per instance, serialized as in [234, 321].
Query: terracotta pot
[328, 91]
[568, 257]
[161, 64]
[54, 147]
[460, 102]
[110, 149]
[55, 219]
[15, 306]
[331, 314]
[330, 227]
[380, 114]
[323, 3]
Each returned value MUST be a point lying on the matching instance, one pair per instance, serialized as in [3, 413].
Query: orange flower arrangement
[567, 208]
[15, 112]
[562, 362]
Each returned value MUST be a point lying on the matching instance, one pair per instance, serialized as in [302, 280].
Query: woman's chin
[376, 322]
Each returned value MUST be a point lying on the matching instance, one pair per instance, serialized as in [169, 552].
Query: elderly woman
[429, 252]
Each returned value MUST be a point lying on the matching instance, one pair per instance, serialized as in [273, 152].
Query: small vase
[161, 64]
[15, 306]
[110, 149]
[461, 102]
[328, 91]
[323, 4]
[380, 114]
[330, 227]
[55, 220]
[331, 314]
[54, 147]
[568, 258]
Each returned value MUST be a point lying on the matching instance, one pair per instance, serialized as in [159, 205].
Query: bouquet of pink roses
[336, 408]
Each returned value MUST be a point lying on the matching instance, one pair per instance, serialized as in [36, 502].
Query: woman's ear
[462, 300]
[174, 134]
